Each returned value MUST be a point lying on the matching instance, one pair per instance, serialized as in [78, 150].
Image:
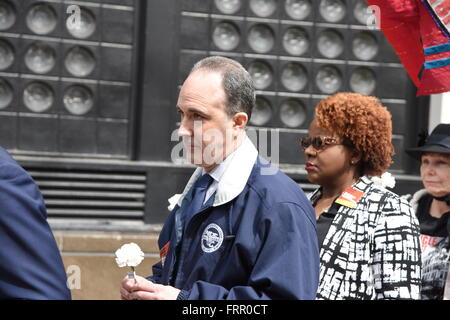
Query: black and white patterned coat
[371, 251]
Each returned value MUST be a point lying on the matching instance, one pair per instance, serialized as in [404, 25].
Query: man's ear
[240, 120]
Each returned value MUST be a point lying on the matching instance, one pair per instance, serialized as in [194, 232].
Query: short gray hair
[237, 83]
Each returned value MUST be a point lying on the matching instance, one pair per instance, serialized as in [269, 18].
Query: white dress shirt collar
[231, 175]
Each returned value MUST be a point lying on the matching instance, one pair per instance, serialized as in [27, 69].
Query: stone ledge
[99, 277]
[76, 241]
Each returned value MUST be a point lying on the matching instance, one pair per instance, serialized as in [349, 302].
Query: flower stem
[134, 274]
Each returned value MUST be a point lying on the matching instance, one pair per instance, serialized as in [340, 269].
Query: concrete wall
[90, 261]
[439, 110]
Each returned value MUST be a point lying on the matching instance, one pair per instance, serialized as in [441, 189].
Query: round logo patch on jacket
[212, 238]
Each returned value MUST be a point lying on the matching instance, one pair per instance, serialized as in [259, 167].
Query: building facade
[88, 92]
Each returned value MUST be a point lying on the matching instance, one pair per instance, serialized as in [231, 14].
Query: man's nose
[185, 129]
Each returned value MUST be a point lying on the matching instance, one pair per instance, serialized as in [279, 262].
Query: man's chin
[203, 163]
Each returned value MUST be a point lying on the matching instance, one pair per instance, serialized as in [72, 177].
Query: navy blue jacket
[266, 239]
[30, 264]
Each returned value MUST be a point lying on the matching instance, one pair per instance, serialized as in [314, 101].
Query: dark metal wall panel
[64, 82]
[143, 52]
[157, 116]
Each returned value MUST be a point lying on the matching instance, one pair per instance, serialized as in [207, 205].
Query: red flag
[418, 30]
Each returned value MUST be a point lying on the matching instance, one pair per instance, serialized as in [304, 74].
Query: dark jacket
[261, 244]
[30, 263]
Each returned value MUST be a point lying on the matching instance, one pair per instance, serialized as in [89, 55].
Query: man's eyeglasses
[318, 142]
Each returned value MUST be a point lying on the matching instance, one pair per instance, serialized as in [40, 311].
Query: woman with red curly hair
[368, 236]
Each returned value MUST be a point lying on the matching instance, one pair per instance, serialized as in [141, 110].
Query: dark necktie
[198, 196]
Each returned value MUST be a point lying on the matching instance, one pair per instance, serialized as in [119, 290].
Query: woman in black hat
[432, 207]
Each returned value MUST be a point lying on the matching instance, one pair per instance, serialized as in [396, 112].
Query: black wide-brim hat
[437, 142]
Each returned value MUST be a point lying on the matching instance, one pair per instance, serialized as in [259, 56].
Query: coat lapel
[338, 250]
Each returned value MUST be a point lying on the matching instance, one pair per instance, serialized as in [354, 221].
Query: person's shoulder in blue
[30, 263]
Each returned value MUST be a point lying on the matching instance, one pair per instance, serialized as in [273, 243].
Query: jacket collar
[414, 202]
[362, 185]
[235, 177]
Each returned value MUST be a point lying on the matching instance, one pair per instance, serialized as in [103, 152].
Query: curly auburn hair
[364, 123]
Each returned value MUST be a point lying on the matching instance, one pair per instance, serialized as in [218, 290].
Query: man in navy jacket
[254, 235]
[30, 264]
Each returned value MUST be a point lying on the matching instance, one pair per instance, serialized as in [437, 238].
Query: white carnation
[129, 255]
[173, 201]
[386, 180]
